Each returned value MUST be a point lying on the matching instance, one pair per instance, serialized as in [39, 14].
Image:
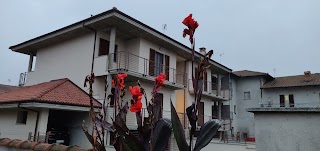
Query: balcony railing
[288, 105]
[211, 89]
[131, 63]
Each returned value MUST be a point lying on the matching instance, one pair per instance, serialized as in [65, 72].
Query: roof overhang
[45, 105]
[128, 28]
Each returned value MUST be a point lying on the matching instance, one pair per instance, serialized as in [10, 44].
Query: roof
[292, 81]
[80, 26]
[248, 73]
[5, 88]
[61, 91]
[16, 144]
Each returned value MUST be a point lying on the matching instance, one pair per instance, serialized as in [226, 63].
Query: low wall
[287, 129]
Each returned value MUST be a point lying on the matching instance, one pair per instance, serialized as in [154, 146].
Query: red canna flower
[122, 76]
[120, 80]
[160, 79]
[136, 104]
[192, 26]
[136, 107]
[113, 85]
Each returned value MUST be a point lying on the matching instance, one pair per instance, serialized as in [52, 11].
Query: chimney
[307, 76]
[203, 51]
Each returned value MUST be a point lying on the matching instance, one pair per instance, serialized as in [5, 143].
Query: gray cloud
[252, 34]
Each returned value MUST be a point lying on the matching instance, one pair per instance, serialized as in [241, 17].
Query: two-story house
[113, 42]
[252, 89]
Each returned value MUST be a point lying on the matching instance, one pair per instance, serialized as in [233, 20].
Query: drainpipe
[37, 120]
[94, 45]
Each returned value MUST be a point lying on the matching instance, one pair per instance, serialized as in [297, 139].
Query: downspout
[37, 120]
[94, 46]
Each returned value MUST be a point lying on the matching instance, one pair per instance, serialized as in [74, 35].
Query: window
[287, 100]
[235, 109]
[103, 47]
[215, 111]
[158, 68]
[246, 95]
[22, 117]
[225, 114]
[281, 100]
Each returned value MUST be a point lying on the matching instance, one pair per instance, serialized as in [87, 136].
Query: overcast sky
[259, 35]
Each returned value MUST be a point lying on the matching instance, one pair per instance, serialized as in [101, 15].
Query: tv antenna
[164, 27]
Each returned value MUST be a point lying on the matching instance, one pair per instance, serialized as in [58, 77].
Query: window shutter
[103, 47]
[291, 100]
[281, 100]
[151, 62]
[167, 65]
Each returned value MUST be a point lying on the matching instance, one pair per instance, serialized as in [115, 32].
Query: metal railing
[283, 105]
[131, 63]
[212, 89]
[22, 79]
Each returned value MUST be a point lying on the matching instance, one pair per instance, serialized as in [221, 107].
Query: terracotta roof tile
[292, 81]
[6, 88]
[61, 91]
[248, 73]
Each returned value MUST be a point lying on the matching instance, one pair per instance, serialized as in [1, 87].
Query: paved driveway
[228, 147]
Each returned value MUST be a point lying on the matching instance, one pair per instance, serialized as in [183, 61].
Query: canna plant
[154, 131]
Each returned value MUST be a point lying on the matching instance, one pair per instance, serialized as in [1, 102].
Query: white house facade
[113, 42]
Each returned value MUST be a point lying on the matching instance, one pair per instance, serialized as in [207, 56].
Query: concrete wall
[10, 129]
[287, 131]
[303, 96]
[74, 120]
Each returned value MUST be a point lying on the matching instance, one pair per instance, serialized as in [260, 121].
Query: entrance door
[201, 113]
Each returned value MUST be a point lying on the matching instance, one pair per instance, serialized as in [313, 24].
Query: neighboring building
[293, 91]
[113, 42]
[55, 106]
[287, 128]
[253, 89]
[246, 93]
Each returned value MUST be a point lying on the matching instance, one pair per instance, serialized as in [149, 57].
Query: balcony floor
[212, 95]
[135, 76]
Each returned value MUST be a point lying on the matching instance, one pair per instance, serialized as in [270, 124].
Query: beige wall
[10, 129]
[69, 59]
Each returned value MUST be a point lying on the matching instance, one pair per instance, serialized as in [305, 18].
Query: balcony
[270, 104]
[212, 90]
[142, 69]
